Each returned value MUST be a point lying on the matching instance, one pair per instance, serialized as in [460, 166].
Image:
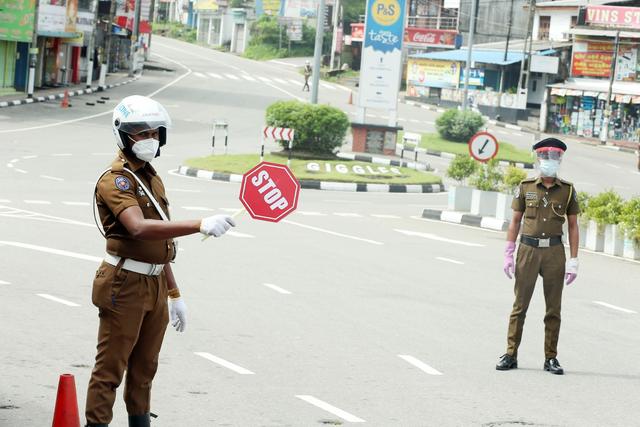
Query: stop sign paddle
[269, 191]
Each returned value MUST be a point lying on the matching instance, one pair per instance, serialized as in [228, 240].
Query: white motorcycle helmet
[135, 114]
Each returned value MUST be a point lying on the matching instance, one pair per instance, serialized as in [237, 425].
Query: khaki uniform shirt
[116, 191]
[544, 208]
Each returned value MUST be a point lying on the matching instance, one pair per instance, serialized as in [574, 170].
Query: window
[574, 21]
[543, 27]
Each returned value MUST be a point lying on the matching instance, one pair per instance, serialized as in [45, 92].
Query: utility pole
[467, 68]
[317, 52]
[92, 44]
[104, 66]
[33, 54]
[334, 41]
[151, 21]
[134, 38]
[506, 47]
[604, 131]
[523, 80]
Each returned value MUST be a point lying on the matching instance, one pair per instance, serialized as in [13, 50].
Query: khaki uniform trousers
[550, 264]
[133, 319]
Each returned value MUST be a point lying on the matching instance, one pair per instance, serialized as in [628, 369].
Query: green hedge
[459, 126]
[318, 128]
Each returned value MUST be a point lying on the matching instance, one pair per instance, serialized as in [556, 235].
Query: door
[7, 64]
[22, 66]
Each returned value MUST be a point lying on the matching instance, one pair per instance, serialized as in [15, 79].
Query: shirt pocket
[531, 208]
[107, 285]
[559, 208]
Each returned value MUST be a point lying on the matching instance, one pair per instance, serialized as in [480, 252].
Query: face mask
[146, 149]
[549, 167]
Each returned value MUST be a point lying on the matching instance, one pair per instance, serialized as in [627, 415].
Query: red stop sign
[269, 191]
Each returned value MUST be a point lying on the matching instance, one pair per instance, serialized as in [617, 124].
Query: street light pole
[317, 52]
[604, 130]
[134, 38]
[467, 68]
[33, 54]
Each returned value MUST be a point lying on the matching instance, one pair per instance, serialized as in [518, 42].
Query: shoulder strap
[149, 194]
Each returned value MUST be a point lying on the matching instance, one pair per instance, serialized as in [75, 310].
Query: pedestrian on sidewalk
[307, 75]
[133, 283]
[544, 203]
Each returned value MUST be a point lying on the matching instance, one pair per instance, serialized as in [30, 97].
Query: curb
[35, 99]
[452, 156]
[487, 222]
[385, 161]
[322, 185]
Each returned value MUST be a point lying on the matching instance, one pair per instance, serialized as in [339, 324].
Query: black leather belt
[541, 243]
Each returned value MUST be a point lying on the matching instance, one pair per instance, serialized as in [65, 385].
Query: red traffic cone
[66, 411]
[65, 99]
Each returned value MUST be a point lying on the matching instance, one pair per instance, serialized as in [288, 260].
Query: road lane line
[197, 74]
[324, 85]
[333, 233]
[264, 79]
[76, 203]
[231, 76]
[283, 63]
[612, 165]
[216, 76]
[225, 363]
[615, 307]
[248, 77]
[51, 250]
[37, 202]
[348, 214]
[277, 288]
[29, 157]
[14, 160]
[453, 261]
[232, 210]
[385, 216]
[62, 154]
[59, 300]
[2, 282]
[438, 238]
[419, 364]
[52, 178]
[330, 408]
[9, 165]
[20, 170]
[281, 81]
[307, 213]
[295, 82]
[287, 92]
[240, 235]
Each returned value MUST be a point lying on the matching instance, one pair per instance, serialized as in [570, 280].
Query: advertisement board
[613, 16]
[433, 73]
[476, 77]
[300, 8]
[429, 37]
[381, 67]
[357, 32]
[16, 20]
[591, 59]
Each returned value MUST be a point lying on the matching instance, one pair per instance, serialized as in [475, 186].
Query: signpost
[277, 134]
[269, 192]
[483, 146]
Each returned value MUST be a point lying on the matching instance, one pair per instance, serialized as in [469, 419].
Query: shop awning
[625, 92]
[604, 33]
[482, 56]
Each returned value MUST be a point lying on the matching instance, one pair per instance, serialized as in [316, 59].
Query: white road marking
[414, 121]
[306, 213]
[247, 77]
[281, 81]
[103, 154]
[437, 238]
[52, 178]
[182, 190]
[614, 307]
[277, 288]
[37, 202]
[330, 408]
[51, 250]
[9, 165]
[232, 210]
[231, 76]
[14, 160]
[295, 82]
[502, 132]
[402, 119]
[429, 123]
[346, 89]
[348, 214]
[517, 134]
[2, 282]
[324, 85]
[287, 92]
[240, 235]
[215, 76]
[283, 63]
[264, 79]
[225, 363]
[20, 170]
[62, 154]
[76, 203]
[333, 233]
[202, 76]
[419, 364]
[373, 116]
[385, 216]
[29, 157]
[612, 165]
[25, 214]
[453, 261]
[196, 208]
[59, 300]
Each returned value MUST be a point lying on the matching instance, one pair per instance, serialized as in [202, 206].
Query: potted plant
[510, 181]
[487, 180]
[583, 222]
[630, 222]
[603, 213]
[460, 169]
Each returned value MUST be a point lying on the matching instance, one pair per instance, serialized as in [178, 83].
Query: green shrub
[459, 126]
[461, 168]
[269, 40]
[487, 177]
[583, 200]
[512, 178]
[318, 128]
[605, 208]
[630, 218]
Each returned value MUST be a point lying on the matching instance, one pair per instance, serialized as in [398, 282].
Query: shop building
[16, 32]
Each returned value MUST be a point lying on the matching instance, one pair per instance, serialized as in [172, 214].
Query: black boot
[97, 425]
[139, 420]
[507, 362]
[552, 365]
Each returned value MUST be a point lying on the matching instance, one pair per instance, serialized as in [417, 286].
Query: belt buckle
[544, 243]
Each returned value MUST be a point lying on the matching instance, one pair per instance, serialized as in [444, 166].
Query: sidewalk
[52, 94]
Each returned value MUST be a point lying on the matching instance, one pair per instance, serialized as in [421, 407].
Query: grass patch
[506, 151]
[241, 163]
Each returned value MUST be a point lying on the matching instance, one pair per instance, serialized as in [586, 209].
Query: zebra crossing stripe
[214, 75]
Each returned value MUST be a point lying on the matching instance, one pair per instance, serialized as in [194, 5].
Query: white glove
[178, 313]
[571, 270]
[216, 225]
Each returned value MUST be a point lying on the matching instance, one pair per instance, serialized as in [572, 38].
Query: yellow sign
[385, 12]
[206, 5]
[433, 73]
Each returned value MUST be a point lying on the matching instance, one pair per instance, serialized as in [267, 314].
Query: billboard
[299, 8]
[433, 73]
[16, 20]
[612, 16]
[591, 59]
[429, 37]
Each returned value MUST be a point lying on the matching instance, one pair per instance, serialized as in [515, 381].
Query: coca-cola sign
[426, 36]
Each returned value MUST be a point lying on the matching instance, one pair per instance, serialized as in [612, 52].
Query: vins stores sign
[613, 16]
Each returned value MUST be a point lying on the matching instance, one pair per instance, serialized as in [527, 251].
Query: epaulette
[530, 179]
[565, 181]
[117, 165]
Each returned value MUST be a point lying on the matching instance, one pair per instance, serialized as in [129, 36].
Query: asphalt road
[353, 310]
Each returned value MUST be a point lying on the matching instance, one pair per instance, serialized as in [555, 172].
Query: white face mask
[146, 149]
[549, 167]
